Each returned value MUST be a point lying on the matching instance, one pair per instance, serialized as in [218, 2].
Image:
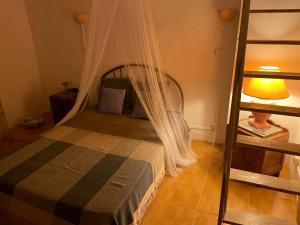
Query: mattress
[96, 169]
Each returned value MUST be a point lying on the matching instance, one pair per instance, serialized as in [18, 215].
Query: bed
[96, 169]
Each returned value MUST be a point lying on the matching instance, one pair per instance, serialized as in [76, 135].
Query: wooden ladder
[233, 140]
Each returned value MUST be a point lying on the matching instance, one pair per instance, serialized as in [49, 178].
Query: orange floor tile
[192, 198]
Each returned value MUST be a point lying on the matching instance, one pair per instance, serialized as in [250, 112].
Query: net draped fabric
[130, 28]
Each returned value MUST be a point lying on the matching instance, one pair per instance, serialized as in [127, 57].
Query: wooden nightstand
[259, 161]
[61, 103]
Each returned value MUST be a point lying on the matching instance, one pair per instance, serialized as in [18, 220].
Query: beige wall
[277, 26]
[197, 47]
[20, 86]
[197, 50]
[57, 39]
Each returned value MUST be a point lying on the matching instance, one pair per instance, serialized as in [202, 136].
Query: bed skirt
[16, 212]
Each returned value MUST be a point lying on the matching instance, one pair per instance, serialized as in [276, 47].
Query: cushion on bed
[111, 100]
[120, 83]
[138, 111]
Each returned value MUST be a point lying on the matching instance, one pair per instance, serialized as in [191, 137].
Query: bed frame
[119, 72]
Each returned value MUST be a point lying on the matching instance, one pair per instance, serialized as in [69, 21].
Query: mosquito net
[127, 26]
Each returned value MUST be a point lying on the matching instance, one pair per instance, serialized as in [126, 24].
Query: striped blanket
[83, 177]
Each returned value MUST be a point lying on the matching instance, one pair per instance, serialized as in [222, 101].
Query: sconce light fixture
[227, 14]
[82, 20]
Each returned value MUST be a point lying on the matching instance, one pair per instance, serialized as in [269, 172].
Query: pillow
[111, 100]
[121, 83]
[138, 111]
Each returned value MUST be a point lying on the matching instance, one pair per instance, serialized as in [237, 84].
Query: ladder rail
[232, 129]
[272, 75]
[273, 42]
[275, 11]
[234, 115]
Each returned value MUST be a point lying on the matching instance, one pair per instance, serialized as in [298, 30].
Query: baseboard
[207, 135]
[202, 135]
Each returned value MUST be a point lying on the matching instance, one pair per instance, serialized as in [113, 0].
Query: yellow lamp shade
[265, 88]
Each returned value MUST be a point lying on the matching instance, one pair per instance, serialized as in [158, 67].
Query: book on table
[244, 124]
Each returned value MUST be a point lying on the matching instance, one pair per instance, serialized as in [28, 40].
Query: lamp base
[260, 120]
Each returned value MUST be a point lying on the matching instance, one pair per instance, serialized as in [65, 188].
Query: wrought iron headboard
[119, 72]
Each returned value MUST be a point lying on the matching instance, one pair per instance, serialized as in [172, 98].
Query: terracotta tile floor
[192, 198]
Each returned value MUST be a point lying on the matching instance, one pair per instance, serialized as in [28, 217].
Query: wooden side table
[259, 161]
[61, 103]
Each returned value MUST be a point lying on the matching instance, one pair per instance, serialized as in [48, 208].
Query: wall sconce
[227, 14]
[82, 19]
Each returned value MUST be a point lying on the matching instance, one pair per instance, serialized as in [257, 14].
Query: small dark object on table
[31, 122]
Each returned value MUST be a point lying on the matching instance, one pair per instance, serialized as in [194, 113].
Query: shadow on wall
[3, 122]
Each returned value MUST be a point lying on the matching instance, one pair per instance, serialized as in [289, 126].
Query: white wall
[198, 51]
[20, 86]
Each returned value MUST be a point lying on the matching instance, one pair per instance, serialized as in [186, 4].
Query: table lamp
[267, 89]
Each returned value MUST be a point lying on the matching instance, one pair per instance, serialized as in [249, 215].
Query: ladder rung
[265, 181]
[268, 145]
[275, 11]
[272, 75]
[273, 109]
[243, 218]
[273, 42]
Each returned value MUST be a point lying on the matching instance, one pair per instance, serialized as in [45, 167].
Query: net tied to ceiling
[130, 30]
